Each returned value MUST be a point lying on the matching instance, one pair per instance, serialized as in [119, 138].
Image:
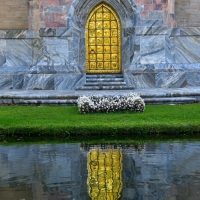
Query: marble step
[105, 87]
[38, 102]
[104, 75]
[105, 83]
[104, 79]
[170, 100]
[148, 101]
[60, 100]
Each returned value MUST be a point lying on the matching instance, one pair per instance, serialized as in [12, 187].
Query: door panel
[103, 41]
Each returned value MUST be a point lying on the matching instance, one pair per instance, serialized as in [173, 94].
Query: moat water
[146, 171]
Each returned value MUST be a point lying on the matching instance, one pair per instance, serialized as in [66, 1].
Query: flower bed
[131, 101]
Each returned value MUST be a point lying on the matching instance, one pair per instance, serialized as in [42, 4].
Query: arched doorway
[103, 41]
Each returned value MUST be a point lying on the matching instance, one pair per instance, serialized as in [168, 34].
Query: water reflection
[164, 171]
[104, 174]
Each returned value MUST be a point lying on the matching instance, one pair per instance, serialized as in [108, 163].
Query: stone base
[54, 59]
[69, 97]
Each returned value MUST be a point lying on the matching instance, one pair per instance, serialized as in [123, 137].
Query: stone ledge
[143, 30]
[187, 31]
[66, 97]
[172, 100]
[19, 34]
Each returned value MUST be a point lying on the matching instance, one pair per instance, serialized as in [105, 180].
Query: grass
[157, 122]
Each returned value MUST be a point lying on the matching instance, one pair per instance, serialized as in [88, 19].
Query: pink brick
[171, 5]
[160, 1]
[65, 2]
[153, 7]
[61, 18]
[40, 6]
[172, 24]
[164, 6]
[56, 20]
[54, 25]
[144, 2]
[50, 2]
[48, 17]
[144, 15]
[36, 12]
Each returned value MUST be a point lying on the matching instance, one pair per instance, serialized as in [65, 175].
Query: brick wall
[48, 13]
[54, 13]
[187, 13]
[152, 9]
[14, 14]
[157, 10]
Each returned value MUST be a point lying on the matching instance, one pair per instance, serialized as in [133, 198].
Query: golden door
[103, 41]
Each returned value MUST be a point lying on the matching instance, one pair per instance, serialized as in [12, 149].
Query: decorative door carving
[103, 41]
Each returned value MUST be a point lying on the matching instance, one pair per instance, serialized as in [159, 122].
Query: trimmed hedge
[130, 101]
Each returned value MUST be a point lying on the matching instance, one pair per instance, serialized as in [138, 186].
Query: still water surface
[149, 171]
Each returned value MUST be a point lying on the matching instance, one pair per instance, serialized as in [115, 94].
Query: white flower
[131, 101]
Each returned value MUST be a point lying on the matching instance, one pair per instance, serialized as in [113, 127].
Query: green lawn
[158, 121]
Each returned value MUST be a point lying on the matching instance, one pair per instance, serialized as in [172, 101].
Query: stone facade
[54, 13]
[51, 54]
[49, 13]
[14, 14]
[187, 13]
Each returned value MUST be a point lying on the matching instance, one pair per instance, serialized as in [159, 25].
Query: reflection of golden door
[105, 174]
[103, 35]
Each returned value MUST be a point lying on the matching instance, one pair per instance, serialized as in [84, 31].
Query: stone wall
[187, 13]
[55, 13]
[157, 10]
[153, 54]
[49, 13]
[151, 9]
[14, 14]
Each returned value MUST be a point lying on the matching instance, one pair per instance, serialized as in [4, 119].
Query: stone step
[103, 79]
[169, 100]
[105, 84]
[60, 100]
[106, 87]
[104, 75]
[38, 102]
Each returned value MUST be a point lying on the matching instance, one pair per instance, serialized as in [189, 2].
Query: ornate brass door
[103, 41]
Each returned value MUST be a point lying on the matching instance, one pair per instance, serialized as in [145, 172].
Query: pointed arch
[103, 40]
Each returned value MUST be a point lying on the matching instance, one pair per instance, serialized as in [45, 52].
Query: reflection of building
[43, 172]
[53, 172]
[105, 174]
